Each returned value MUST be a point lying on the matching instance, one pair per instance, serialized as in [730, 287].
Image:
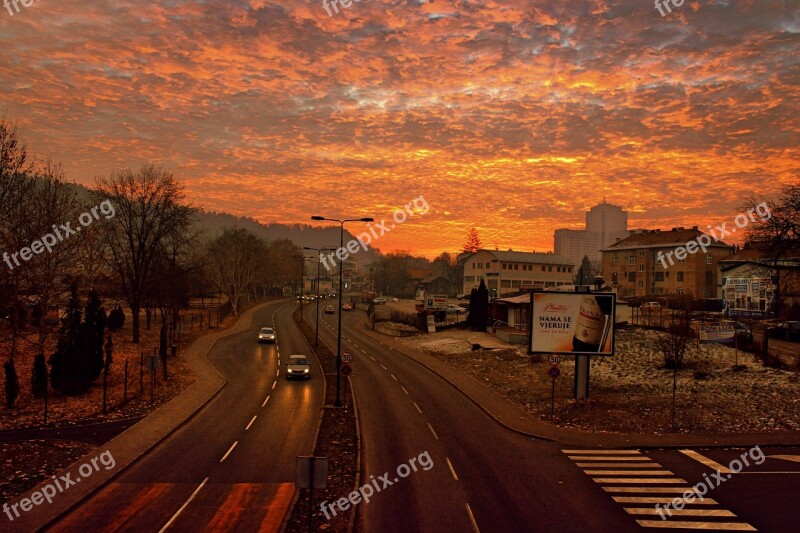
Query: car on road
[743, 334]
[453, 309]
[789, 330]
[267, 335]
[651, 305]
[379, 300]
[395, 299]
[298, 367]
[347, 307]
[329, 309]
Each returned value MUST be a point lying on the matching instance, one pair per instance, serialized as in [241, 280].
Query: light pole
[302, 259]
[338, 402]
[320, 250]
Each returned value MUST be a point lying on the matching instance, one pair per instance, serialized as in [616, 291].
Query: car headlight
[305, 371]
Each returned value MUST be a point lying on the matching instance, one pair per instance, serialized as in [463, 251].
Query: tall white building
[604, 224]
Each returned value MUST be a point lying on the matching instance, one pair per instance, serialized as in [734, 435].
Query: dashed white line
[278, 372]
[437, 438]
[384, 368]
[450, 466]
[251, 422]
[404, 389]
[472, 519]
[373, 358]
[265, 401]
[229, 451]
[394, 378]
[274, 383]
[363, 350]
[417, 406]
[179, 511]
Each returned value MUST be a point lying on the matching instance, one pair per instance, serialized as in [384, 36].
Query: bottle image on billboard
[591, 327]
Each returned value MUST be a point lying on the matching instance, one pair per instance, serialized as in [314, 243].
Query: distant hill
[211, 224]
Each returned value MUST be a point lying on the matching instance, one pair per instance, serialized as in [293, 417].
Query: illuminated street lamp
[320, 250]
[338, 402]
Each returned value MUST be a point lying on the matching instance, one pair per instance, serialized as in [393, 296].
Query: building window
[709, 259]
[516, 266]
[659, 276]
[641, 253]
[679, 291]
[549, 284]
[543, 268]
[469, 278]
[680, 277]
[515, 283]
[631, 276]
[632, 260]
[505, 283]
[709, 277]
[558, 269]
[641, 284]
[538, 284]
[569, 269]
[613, 260]
[549, 269]
[641, 268]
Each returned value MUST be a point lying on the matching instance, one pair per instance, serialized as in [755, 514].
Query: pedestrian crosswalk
[653, 495]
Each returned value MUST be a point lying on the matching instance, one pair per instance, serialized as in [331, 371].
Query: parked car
[329, 309]
[395, 299]
[298, 367]
[379, 300]
[789, 331]
[655, 306]
[347, 307]
[267, 335]
[453, 309]
[743, 334]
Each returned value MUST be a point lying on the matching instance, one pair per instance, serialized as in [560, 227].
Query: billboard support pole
[581, 388]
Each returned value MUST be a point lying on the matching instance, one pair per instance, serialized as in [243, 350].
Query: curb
[139, 439]
[617, 440]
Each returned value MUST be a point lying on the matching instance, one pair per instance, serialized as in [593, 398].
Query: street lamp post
[320, 250]
[338, 402]
[302, 259]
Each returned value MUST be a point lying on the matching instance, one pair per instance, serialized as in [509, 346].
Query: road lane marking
[265, 401]
[171, 520]
[679, 512]
[638, 480]
[629, 472]
[715, 526]
[394, 378]
[404, 389]
[251, 422]
[417, 406]
[472, 519]
[363, 350]
[604, 452]
[278, 373]
[604, 458]
[432, 431]
[372, 358]
[664, 490]
[274, 383]
[229, 451]
[450, 466]
[663, 500]
[702, 459]
[619, 465]
[384, 368]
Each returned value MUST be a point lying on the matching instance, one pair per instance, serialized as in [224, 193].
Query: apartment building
[511, 272]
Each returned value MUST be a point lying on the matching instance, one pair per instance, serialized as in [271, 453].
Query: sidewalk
[139, 439]
[515, 419]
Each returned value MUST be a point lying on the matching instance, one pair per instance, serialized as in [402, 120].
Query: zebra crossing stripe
[714, 526]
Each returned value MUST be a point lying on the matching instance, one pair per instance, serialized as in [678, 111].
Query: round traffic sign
[554, 372]
[554, 359]
[346, 369]
[347, 357]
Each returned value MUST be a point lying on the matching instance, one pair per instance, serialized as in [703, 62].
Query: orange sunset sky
[512, 116]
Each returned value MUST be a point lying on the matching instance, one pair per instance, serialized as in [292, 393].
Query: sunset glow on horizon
[513, 117]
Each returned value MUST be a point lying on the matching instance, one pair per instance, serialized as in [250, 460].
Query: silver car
[298, 367]
[267, 335]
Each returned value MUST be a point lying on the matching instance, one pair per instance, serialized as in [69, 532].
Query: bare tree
[233, 259]
[674, 343]
[150, 209]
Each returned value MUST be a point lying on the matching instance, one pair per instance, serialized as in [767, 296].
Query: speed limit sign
[555, 360]
[346, 357]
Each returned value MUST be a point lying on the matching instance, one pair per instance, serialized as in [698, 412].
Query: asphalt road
[232, 465]
[487, 478]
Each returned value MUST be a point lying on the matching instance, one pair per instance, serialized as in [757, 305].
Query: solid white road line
[229, 451]
[702, 459]
[432, 431]
[265, 401]
[450, 466]
[472, 519]
[417, 406]
[178, 512]
[251, 422]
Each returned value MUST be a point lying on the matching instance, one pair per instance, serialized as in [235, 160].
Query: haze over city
[514, 117]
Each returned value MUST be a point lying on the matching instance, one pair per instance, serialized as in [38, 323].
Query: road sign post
[311, 473]
[347, 357]
[346, 369]
[553, 372]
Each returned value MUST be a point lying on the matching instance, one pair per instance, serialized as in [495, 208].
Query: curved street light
[338, 401]
[319, 250]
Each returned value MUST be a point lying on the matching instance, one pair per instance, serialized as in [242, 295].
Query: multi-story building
[604, 224]
[510, 272]
[635, 267]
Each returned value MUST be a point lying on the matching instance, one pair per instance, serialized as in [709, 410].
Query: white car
[298, 367]
[453, 308]
[267, 335]
[379, 300]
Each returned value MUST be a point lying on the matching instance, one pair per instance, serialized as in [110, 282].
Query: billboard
[572, 323]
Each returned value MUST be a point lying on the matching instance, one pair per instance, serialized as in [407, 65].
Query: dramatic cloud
[511, 116]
